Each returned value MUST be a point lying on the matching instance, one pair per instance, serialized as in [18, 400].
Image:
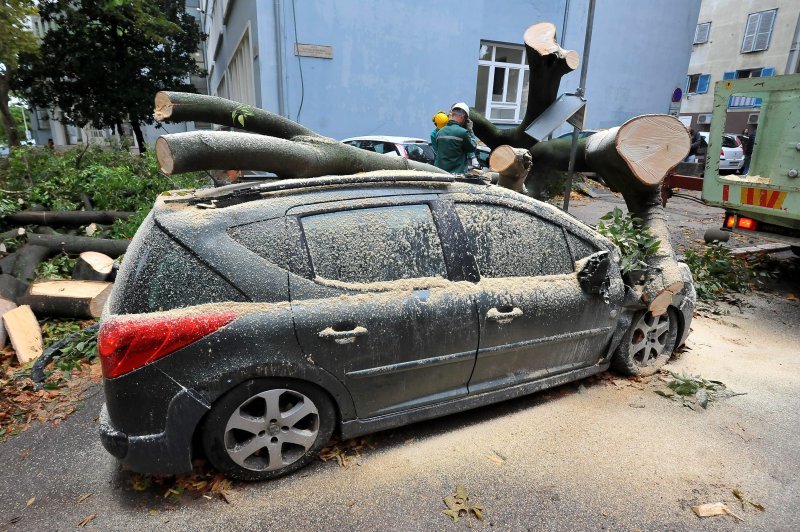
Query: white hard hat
[462, 106]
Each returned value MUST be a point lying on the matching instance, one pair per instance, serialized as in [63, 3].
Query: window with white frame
[241, 86]
[701, 33]
[502, 90]
[697, 83]
[758, 31]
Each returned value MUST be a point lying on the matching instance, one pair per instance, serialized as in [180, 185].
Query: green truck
[766, 201]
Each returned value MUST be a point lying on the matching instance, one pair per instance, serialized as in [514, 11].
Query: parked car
[411, 148]
[482, 153]
[256, 320]
[4, 151]
[731, 155]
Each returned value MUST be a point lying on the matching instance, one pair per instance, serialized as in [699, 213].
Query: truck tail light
[746, 223]
[730, 221]
[126, 344]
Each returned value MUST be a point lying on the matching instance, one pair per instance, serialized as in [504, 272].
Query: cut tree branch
[301, 157]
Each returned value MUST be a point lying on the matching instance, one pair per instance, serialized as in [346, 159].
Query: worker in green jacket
[453, 143]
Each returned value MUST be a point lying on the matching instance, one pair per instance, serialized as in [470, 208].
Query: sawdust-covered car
[250, 323]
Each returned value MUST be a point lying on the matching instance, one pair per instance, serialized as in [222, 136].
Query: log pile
[24, 299]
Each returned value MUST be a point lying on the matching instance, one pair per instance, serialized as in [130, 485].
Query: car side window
[581, 248]
[375, 245]
[511, 243]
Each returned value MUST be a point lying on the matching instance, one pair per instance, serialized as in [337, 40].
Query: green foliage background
[112, 179]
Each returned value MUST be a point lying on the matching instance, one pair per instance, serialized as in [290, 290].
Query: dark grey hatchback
[250, 323]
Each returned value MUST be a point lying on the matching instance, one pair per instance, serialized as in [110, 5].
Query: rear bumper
[731, 164]
[165, 453]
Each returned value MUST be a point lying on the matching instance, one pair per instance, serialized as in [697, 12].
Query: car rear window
[729, 142]
[510, 243]
[375, 245]
[420, 152]
[157, 274]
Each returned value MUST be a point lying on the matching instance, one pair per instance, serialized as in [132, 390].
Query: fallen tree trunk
[7, 263]
[633, 160]
[548, 63]
[70, 218]
[92, 266]
[68, 299]
[12, 233]
[24, 332]
[28, 258]
[300, 157]
[188, 107]
[79, 244]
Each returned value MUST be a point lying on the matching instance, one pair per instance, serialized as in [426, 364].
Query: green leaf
[241, 120]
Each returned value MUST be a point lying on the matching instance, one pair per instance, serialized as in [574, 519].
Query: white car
[409, 147]
[731, 155]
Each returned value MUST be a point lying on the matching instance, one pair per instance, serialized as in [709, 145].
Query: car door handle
[343, 337]
[503, 316]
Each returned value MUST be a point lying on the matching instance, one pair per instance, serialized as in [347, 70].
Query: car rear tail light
[126, 344]
[746, 223]
[730, 221]
[722, 153]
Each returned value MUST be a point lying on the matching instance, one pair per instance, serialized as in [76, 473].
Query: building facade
[348, 67]
[749, 38]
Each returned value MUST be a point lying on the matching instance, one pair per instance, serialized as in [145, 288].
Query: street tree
[102, 60]
[15, 39]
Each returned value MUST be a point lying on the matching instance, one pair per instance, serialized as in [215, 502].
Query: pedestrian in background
[453, 144]
[748, 151]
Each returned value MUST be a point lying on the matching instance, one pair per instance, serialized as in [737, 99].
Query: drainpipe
[279, 59]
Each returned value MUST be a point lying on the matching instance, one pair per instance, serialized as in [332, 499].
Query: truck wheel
[648, 344]
[266, 428]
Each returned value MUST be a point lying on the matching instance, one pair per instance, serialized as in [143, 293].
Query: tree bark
[67, 299]
[548, 63]
[79, 244]
[186, 107]
[298, 158]
[5, 113]
[11, 288]
[66, 218]
[28, 258]
[137, 132]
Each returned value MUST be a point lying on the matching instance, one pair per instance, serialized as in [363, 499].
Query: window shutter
[750, 32]
[767, 72]
[702, 83]
[688, 81]
[764, 33]
[701, 33]
[729, 75]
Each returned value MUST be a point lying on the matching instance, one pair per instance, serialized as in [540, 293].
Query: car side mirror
[593, 277]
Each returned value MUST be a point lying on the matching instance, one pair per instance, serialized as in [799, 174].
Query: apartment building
[739, 39]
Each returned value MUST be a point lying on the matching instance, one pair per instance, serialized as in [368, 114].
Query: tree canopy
[15, 39]
[102, 61]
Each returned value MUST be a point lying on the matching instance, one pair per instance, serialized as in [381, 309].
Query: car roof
[388, 138]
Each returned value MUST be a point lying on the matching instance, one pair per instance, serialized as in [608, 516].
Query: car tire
[648, 344]
[267, 428]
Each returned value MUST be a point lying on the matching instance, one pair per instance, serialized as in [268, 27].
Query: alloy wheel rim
[271, 430]
[649, 338]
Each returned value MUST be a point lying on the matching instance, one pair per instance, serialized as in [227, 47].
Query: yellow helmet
[440, 119]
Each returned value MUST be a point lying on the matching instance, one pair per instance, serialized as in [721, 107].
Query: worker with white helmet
[453, 144]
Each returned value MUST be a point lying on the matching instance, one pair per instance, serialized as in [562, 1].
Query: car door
[535, 320]
[377, 306]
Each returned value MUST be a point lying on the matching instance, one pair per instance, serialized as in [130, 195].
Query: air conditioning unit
[704, 119]
[752, 118]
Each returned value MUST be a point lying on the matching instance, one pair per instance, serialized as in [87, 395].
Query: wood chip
[496, 459]
[84, 497]
[713, 509]
[30, 501]
[86, 520]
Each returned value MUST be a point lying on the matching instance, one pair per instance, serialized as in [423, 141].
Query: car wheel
[648, 344]
[266, 428]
